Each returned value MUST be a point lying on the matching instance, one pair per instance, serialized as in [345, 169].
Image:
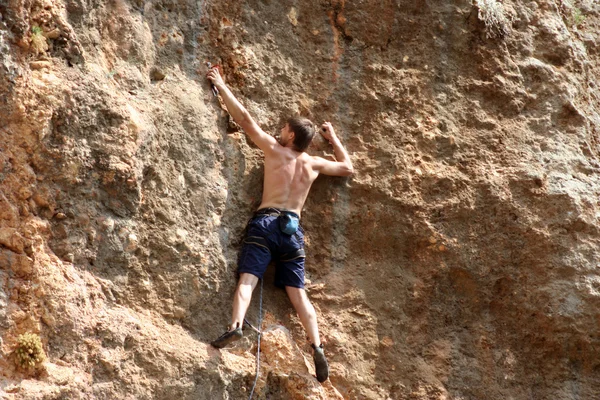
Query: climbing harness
[259, 332]
[288, 221]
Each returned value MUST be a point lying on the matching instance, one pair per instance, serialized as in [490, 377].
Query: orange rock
[11, 238]
[291, 368]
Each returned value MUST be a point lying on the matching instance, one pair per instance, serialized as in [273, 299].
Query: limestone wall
[460, 261]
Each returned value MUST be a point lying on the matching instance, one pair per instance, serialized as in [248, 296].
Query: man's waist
[275, 212]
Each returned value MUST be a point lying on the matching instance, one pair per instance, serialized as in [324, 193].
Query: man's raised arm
[240, 115]
[343, 165]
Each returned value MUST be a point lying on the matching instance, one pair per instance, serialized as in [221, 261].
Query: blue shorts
[265, 242]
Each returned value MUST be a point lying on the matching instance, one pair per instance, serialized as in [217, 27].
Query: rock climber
[274, 232]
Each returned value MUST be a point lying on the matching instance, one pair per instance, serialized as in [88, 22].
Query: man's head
[299, 132]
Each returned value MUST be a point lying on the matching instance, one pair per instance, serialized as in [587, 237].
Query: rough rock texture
[459, 262]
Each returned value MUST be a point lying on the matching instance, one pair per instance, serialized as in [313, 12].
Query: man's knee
[248, 279]
[297, 296]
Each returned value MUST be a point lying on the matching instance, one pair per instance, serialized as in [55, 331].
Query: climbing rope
[259, 332]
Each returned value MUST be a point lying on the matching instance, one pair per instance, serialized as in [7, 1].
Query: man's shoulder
[308, 157]
[277, 151]
[286, 152]
[314, 159]
[310, 160]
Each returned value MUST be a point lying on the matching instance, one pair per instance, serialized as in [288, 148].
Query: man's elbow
[243, 120]
[347, 170]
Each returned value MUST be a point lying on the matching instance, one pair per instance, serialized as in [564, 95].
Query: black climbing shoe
[321, 366]
[227, 337]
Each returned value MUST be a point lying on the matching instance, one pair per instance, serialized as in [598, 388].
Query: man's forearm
[341, 155]
[234, 107]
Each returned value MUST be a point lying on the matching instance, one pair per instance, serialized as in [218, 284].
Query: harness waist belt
[275, 212]
[293, 255]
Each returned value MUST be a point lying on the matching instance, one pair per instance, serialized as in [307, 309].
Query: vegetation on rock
[497, 23]
[29, 350]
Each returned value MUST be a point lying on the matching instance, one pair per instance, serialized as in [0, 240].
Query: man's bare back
[289, 173]
[288, 177]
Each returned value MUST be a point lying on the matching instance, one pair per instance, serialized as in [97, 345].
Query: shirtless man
[274, 232]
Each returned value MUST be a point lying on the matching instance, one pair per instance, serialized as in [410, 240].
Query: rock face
[460, 261]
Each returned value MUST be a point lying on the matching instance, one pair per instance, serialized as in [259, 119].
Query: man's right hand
[327, 131]
[215, 77]
[240, 115]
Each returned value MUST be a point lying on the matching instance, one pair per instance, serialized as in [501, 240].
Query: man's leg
[241, 301]
[254, 258]
[308, 317]
[242, 298]
[306, 312]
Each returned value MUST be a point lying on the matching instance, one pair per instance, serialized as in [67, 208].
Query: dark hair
[304, 131]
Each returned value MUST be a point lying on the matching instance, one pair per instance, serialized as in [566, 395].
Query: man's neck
[290, 146]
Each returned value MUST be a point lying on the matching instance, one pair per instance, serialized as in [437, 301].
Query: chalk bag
[288, 223]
